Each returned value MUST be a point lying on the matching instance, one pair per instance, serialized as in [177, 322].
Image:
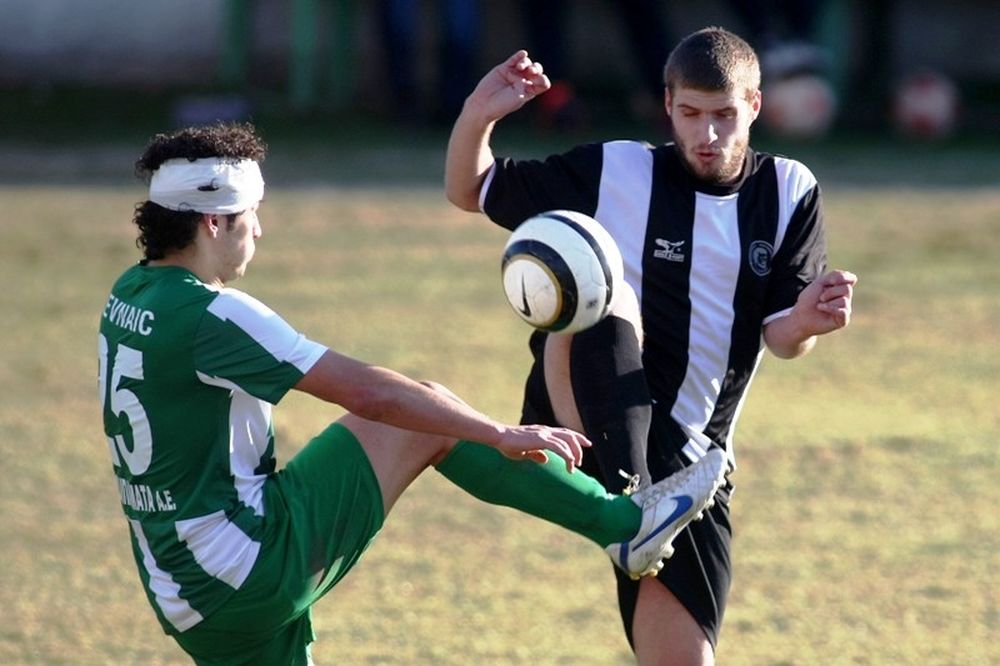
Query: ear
[755, 102]
[211, 223]
[667, 99]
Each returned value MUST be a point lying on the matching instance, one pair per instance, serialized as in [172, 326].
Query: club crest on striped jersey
[759, 256]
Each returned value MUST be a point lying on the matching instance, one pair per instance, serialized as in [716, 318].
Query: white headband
[212, 185]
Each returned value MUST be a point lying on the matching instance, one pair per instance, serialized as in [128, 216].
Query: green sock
[575, 501]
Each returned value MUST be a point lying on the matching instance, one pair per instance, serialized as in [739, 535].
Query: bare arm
[386, 396]
[822, 307]
[505, 89]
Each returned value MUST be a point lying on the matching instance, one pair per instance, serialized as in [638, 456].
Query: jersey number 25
[124, 362]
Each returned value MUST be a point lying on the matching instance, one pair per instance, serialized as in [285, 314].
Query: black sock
[609, 384]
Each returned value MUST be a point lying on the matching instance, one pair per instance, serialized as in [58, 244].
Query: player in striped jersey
[725, 251]
[233, 552]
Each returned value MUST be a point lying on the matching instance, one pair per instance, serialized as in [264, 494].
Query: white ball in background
[799, 107]
[925, 106]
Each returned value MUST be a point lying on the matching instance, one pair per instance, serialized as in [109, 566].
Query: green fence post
[302, 54]
[342, 54]
[237, 27]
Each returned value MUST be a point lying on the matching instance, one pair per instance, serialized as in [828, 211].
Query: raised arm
[822, 307]
[505, 89]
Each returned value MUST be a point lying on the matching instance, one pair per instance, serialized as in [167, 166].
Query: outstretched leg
[637, 531]
[548, 491]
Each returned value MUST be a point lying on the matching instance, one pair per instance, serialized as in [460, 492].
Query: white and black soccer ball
[561, 270]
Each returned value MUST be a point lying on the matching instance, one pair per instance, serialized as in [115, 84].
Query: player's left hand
[530, 442]
[825, 305]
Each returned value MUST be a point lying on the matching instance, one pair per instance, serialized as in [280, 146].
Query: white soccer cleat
[667, 508]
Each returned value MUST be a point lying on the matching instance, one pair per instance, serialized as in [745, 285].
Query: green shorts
[321, 513]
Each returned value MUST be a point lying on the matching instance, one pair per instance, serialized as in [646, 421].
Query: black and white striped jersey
[710, 264]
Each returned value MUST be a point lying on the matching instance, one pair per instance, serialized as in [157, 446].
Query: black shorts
[700, 572]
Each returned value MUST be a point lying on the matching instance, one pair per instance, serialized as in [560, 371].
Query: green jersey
[187, 375]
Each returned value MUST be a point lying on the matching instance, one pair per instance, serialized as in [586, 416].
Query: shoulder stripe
[795, 180]
[269, 330]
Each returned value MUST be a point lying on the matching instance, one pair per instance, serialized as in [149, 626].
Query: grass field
[867, 529]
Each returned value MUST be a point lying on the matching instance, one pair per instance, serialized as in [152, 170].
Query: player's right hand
[508, 86]
[825, 304]
[532, 441]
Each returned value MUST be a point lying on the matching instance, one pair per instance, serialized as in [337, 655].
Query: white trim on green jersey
[219, 547]
[161, 585]
[282, 341]
[187, 399]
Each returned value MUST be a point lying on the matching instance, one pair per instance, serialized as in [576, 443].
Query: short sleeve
[801, 258]
[242, 343]
[518, 189]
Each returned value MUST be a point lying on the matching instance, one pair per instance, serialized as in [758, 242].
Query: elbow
[784, 354]
[452, 196]
[369, 405]
[464, 200]
[787, 339]
[367, 399]
[790, 351]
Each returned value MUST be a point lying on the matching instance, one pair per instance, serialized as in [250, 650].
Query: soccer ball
[560, 271]
[925, 106]
[802, 106]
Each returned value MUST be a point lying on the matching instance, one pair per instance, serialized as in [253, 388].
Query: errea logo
[669, 250]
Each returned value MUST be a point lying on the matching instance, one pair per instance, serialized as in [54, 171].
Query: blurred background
[921, 70]
[868, 529]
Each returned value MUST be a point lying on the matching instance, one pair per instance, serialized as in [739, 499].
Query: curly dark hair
[162, 230]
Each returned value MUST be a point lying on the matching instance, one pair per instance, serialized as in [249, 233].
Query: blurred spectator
[800, 100]
[785, 34]
[645, 25]
[459, 38]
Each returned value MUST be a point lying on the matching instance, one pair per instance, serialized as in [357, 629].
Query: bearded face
[712, 130]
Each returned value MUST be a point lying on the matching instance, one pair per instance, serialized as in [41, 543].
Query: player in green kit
[233, 552]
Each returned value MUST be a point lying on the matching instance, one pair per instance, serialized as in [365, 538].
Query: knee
[625, 305]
